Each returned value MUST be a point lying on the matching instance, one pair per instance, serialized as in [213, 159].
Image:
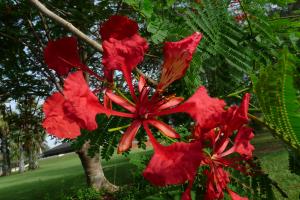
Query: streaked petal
[177, 58]
[142, 83]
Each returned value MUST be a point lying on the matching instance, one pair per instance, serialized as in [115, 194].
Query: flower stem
[118, 128]
[234, 94]
[122, 95]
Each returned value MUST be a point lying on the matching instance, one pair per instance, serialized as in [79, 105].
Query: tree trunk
[21, 159]
[33, 160]
[93, 170]
[6, 168]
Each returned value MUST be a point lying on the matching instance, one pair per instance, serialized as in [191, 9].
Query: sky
[51, 142]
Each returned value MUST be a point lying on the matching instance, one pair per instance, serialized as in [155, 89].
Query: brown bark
[6, 168]
[93, 170]
[21, 159]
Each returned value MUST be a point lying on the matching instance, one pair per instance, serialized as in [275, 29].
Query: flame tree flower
[210, 148]
[145, 109]
[221, 138]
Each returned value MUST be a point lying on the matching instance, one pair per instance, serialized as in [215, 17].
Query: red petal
[174, 101]
[177, 58]
[142, 83]
[243, 109]
[118, 27]
[61, 55]
[56, 122]
[235, 196]
[235, 116]
[242, 142]
[164, 128]
[81, 103]
[128, 136]
[217, 180]
[107, 102]
[172, 164]
[120, 101]
[205, 110]
[124, 55]
[128, 52]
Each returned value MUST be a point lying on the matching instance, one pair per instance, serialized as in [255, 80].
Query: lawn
[60, 175]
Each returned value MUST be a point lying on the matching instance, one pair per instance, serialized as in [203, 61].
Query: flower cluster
[221, 138]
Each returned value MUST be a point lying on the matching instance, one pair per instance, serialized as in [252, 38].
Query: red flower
[123, 47]
[62, 55]
[217, 160]
[177, 58]
[142, 110]
[219, 143]
[76, 108]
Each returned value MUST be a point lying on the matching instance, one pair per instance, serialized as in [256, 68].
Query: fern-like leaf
[277, 96]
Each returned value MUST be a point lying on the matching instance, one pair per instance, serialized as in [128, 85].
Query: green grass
[63, 175]
[57, 176]
[274, 159]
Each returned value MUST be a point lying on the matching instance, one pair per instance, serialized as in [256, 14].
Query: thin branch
[35, 33]
[66, 24]
[148, 79]
[45, 26]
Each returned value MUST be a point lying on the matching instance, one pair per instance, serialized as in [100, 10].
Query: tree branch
[78, 33]
[66, 24]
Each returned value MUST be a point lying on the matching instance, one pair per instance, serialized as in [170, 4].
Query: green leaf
[147, 8]
[278, 98]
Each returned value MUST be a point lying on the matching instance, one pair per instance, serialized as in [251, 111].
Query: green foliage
[224, 54]
[83, 194]
[278, 98]
[294, 162]
[144, 6]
